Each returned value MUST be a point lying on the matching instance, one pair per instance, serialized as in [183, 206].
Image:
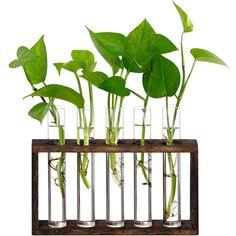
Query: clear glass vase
[171, 168]
[85, 173]
[142, 170]
[114, 170]
[56, 169]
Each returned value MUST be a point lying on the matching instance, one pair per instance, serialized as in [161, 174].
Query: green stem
[91, 118]
[182, 60]
[121, 102]
[61, 160]
[137, 95]
[113, 130]
[141, 163]
[86, 130]
[170, 137]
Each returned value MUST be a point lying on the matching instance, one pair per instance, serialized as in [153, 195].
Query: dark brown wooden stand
[189, 227]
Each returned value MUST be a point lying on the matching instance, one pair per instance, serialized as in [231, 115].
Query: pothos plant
[136, 53]
[142, 52]
[34, 64]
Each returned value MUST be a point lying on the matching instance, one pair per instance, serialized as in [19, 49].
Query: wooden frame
[189, 227]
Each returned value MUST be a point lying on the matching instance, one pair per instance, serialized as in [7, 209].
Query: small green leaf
[110, 46]
[40, 110]
[59, 66]
[36, 70]
[60, 92]
[96, 78]
[73, 66]
[139, 56]
[159, 44]
[206, 56]
[86, 58]
[186, 21]
[24, 55]
[163, 80]
[115, 85]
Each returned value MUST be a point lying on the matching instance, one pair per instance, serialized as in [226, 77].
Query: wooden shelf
[129, 229]
[189, 227]
[126, 145]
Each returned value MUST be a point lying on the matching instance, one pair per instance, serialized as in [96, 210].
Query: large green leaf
[60, 92]
[163, 80]
[114, 84]
[40, 110]
[36, 70]
[186, 21]
[139, 56]
[24, 55]
[86, 58]
[110, 45]
[159, 44]
[206, 56]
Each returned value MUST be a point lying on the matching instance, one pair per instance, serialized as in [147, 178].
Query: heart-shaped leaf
[163, 80]
[86, 58]
[206, 56]
[115, 85]
[24, 55]
[59, 66]
[110, 45]
[186, 21]
[40, 110]
[139, 56]
[159, 44]
[60, 92]
[36, 70]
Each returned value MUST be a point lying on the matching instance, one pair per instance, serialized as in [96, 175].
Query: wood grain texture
[125, 145]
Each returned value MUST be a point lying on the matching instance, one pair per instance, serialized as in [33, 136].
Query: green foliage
[186, 21]
[159, 44]
[40, 110]
[73, 66]
[110, 46]
[82, 59]
[96, 78]
[59, 66]
[24, 55]
[36, 70]
[162, 80]
[114, 84]
[138, 55]
[60, 92]
[33, 61]
[206, 56]
[86, 59]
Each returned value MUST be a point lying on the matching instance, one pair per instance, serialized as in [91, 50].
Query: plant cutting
[166, 77]
[34, 63]
[82, 61]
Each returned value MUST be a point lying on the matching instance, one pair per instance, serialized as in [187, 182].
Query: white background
[208, 108]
